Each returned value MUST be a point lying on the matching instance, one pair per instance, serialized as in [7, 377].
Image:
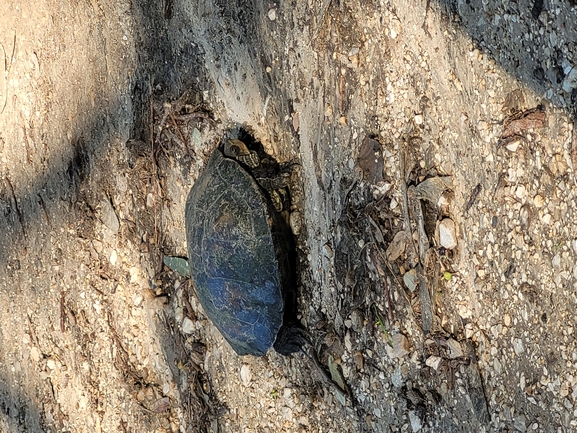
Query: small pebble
[538, 200]
[434, 362]
[109, 217]
[113, 257]
[455, 349]
[137, 299]
[245, 374]
[415, 421]
[35, 354]
[187, 326]
[447, 236]
[513, 146]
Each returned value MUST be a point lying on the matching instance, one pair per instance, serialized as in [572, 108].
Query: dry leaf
[371, 160]
[397, 246]
[531, 119]
[432, 188]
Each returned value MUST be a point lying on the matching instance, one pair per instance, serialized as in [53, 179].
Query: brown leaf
[397, 246]
[531, 119]
[371, 160]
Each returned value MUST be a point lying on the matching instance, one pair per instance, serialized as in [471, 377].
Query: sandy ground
[398, 115]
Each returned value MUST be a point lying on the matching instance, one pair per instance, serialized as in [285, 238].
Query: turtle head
[290, 339]
[239, 151]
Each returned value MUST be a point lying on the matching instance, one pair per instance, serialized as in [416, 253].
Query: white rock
[137, 299]
[415, 421]
[538, 200]
[434, 362]
[455, 349]
[113, 257]
[272, 14]
[134, 271]
[245, 374]
[35, 354]
[447, 235]
[513, 146]
[187, 326]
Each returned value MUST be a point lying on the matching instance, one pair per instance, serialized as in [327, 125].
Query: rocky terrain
[433, 208]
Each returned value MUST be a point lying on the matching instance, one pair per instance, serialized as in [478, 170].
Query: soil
[396, 116]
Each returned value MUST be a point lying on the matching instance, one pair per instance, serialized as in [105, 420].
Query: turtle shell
[235, 251]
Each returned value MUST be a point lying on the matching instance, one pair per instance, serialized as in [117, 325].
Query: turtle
[239, 252]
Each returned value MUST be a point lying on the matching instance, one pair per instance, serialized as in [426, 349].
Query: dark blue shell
[233, 255]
